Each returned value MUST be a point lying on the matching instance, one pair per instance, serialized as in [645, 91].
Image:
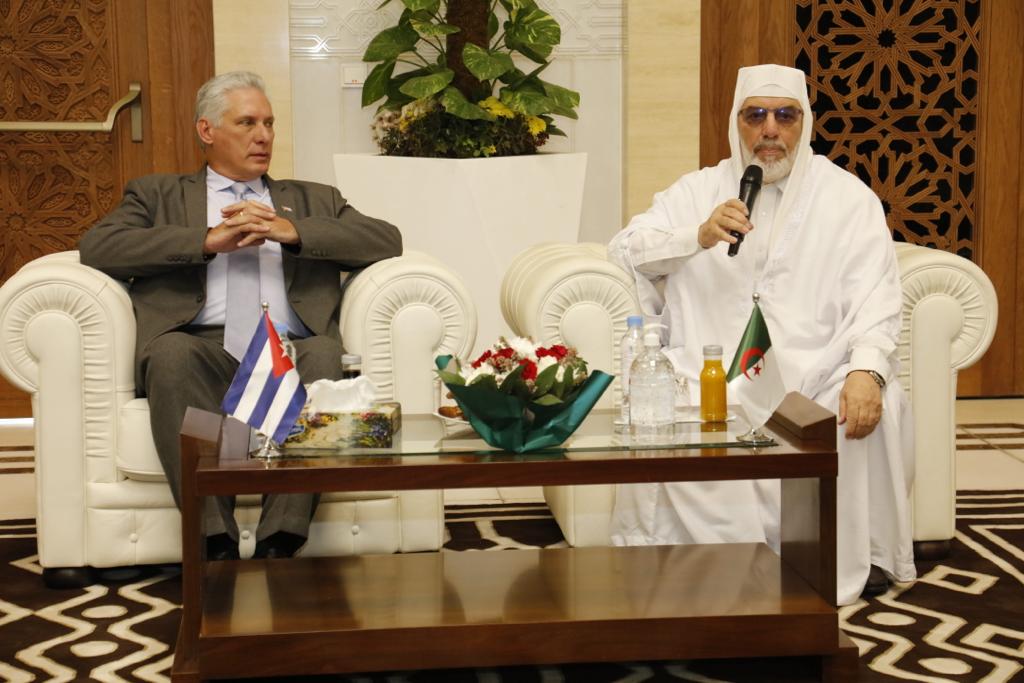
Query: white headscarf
[772, 80]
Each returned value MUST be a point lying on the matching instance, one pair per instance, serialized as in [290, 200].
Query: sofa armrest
[949, 319]
[67, 336]
[571, 294]
[400, 313]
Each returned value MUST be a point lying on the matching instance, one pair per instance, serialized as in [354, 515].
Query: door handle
[133, 98]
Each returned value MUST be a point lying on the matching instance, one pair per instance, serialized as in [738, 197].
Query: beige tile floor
[990, 458]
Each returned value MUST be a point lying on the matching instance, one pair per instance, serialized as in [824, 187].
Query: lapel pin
[286, 208]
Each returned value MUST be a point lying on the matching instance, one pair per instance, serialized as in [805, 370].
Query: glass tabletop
[432, 434]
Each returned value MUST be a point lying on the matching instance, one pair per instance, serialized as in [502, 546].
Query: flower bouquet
[520, 397]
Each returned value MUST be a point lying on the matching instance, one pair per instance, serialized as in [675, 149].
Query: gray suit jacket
[154, 241]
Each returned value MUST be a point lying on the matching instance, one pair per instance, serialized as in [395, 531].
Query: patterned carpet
[961, 621]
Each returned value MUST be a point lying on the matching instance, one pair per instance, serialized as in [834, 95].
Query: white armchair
[571, 294]
[67, 336]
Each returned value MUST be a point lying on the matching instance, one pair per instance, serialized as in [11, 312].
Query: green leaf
[525, 101]
[563, 100]
[396, 98]
[548, 400]
[416, 5]
[512, 77]
[552, 129]
[558, 387]
[514, 5]
[425, 86]
[484, 64]
[533, 32]
[451, 378]
[485, 382]
[456, 104]
[492, 26]
[390, 43]
[545, 378]
[383, 4]
[511, 379]
[376, 85]
[429, 29]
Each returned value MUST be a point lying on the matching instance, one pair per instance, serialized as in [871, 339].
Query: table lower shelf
[490, 608]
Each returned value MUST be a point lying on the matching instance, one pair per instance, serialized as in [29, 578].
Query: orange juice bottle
[712, 386]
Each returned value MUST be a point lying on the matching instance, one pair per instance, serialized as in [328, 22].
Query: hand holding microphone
[750, 186]
[730, 217]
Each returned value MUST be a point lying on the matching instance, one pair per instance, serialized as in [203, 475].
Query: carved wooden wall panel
[55, 65]
[69, 61]
[894, 88]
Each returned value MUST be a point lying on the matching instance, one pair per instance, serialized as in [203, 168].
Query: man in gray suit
[200, 252]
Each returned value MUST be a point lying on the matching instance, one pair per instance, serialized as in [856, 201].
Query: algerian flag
[754, 378]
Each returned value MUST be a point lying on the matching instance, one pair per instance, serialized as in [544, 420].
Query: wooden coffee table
[482, 609]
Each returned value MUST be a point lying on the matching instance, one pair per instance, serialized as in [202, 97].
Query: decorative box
[371, 428]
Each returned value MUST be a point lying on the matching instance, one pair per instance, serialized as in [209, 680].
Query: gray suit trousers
[191, 368]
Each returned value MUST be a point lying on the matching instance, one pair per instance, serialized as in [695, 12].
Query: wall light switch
[353, 75]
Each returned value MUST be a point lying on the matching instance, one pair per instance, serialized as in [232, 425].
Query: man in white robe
[819, 255]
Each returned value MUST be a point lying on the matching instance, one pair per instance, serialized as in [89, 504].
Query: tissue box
[372, 428]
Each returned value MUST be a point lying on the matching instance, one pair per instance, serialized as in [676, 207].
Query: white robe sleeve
[876, 298]
[656, 242]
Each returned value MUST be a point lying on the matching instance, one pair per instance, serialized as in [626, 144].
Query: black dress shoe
[877, 583]
[278, 545]
[221, 547]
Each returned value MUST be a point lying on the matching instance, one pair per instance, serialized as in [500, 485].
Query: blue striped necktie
[243, 299]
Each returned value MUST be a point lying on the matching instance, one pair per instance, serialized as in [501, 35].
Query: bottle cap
[714, 350]
[351, 359]
[634, 321]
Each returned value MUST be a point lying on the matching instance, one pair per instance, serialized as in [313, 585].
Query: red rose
[529, 368]
[557, 351]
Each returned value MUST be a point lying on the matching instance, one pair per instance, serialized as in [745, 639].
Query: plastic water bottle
[652, 392]
[629, 348]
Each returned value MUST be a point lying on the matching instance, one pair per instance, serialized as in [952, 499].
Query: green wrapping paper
[515, 425]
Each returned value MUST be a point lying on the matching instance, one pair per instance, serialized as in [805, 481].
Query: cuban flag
[266, 392]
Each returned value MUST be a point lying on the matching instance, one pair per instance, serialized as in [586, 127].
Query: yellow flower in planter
[536, 124]
[494, 105]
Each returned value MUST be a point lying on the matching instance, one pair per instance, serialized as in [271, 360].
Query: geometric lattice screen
[894, 89]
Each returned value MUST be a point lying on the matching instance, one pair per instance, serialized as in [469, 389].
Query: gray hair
[211, 100]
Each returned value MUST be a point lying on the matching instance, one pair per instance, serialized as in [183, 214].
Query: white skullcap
[771, 80]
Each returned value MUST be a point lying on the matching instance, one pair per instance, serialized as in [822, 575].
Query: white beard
[773, 170]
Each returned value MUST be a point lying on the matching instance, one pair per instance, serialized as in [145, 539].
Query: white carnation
[523, 346]
[484, 369]
[545, 363]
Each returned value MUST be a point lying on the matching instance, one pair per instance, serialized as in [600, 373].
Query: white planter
[475, 215]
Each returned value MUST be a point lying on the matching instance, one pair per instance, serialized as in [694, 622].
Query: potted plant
[461, 110]
[448, 86]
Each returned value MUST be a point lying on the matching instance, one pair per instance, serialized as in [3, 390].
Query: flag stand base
[755, 437]
[268, 451]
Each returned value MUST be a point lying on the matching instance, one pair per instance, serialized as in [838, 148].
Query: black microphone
[750, 185]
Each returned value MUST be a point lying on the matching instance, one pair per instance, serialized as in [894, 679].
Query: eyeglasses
[784, 116]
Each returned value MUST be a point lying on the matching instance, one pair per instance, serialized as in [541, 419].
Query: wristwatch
[877, 376]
